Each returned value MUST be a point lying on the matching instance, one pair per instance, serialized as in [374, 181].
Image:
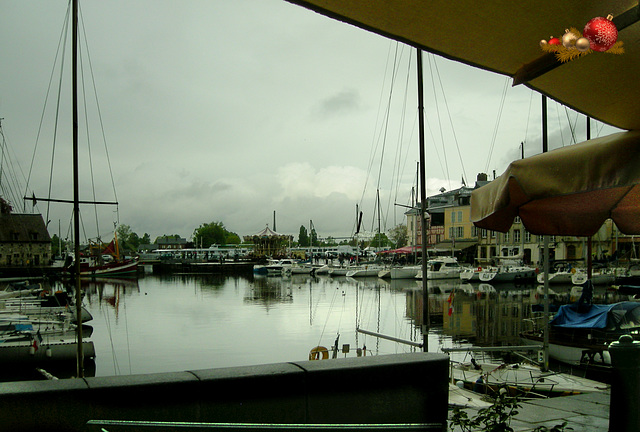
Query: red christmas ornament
[554, 41]
[601, 32]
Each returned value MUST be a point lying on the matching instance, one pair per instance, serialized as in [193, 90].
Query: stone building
[24, 240]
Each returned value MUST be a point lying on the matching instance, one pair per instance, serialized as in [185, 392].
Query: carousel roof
[268, 232]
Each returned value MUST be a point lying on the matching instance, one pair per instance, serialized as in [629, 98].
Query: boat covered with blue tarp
[612, 317]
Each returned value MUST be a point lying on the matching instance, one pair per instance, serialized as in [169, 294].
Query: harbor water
[196, 321]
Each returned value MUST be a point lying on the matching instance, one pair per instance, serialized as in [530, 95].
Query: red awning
[402, 250]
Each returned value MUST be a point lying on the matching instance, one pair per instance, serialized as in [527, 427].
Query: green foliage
[557, 428]
[496, 418]
[146, 239]
[214, 233]
[56, 249]
[129, 240]
[380, 240]
[303, 237]
[398, 236]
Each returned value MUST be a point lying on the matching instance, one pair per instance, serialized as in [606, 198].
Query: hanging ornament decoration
[599, 34]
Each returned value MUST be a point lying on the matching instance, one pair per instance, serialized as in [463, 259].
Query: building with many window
[449, 228]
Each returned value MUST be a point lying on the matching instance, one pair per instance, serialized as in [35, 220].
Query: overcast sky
[229, 110]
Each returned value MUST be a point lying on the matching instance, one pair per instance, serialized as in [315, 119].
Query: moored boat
[442, 268]
[364, 270]
[580, 333]
[508, 273]
[404, 272]
[522, 379]
[597, 278]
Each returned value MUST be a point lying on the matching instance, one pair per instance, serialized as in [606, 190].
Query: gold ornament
[582, 44]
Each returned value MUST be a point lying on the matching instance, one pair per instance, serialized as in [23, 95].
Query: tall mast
[423, 207]
[545, 338]
[76, 191]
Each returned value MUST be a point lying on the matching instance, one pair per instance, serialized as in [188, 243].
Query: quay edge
[399, 388]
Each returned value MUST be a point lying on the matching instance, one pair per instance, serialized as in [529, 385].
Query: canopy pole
[426, 319]
[589, 246]
[545, 340]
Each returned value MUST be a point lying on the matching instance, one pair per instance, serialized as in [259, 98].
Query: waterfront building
[449, 228]
[171, 242]
[24, 240]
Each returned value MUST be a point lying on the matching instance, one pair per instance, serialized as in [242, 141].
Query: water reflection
[181, 322]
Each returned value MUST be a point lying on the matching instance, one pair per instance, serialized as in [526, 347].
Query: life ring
[319, 353]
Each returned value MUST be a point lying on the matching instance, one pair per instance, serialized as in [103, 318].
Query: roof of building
[18, 227]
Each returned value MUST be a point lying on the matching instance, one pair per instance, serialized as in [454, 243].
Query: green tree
[380, 240]
[56, 249]
[127, 239]
[398, 236]
[303, 237]
[214, 233]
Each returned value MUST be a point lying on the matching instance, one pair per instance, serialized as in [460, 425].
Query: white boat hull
[556, 278]
[597, 279]
[524, 378]
[515, 275]
[408, 272]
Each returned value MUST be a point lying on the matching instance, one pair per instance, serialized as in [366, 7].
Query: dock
[587, 412]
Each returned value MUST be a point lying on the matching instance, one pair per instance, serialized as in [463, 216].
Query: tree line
[215, 233]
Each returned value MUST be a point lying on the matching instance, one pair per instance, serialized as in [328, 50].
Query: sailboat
[75, 270]
[107, 262]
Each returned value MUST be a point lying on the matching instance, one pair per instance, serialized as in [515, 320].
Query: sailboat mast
[76, 191]
[423, 207]
[545, 338]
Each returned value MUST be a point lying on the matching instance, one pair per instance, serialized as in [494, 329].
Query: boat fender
[479, 268]
[319, 353]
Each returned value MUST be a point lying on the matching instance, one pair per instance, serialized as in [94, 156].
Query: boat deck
[587, 412]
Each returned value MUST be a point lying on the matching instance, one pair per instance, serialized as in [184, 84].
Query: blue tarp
[614, 316]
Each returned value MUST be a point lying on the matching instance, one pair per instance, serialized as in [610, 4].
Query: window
[459, 215]
[459, 232]
[516, 235]
[453, 217]
[527, 236]
[506, 237]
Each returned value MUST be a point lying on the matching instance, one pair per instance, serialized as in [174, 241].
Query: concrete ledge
[405, 388]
